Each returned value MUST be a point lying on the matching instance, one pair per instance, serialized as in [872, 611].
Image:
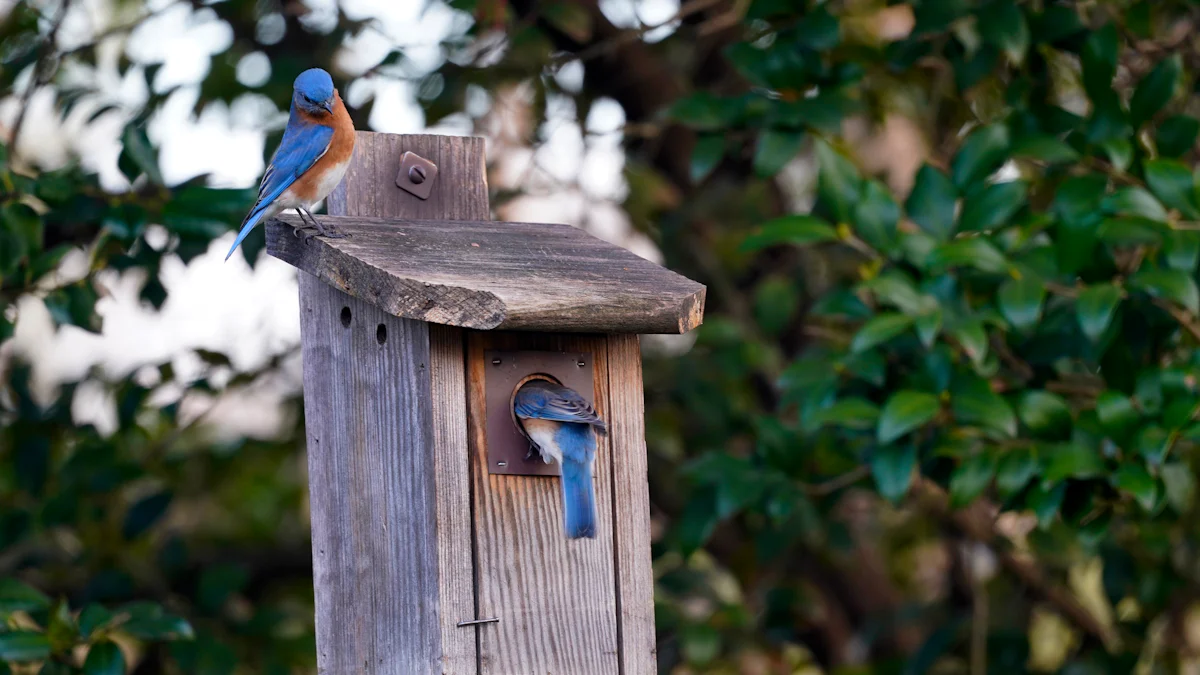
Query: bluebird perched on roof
[311, 158]
[559, 422]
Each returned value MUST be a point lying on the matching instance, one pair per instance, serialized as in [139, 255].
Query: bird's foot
[327, 232]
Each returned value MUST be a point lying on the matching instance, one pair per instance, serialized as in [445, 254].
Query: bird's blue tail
[251, 221]
[579, 500]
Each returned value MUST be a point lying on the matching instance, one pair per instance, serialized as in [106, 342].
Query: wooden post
[384, 405]
[417, 534]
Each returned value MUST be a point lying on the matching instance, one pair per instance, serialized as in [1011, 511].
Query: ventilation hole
[381, 334]
[346, 317]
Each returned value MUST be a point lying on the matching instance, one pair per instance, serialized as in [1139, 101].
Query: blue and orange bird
[560, 424]
[312, 156]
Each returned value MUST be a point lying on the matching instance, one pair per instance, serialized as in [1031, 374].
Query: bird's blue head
[313, 92]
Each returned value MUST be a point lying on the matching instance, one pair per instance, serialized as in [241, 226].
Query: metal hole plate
[503, 370]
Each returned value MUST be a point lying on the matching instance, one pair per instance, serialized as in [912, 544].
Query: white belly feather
[289, 199]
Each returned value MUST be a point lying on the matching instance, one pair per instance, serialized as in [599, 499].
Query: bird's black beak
[328, 105]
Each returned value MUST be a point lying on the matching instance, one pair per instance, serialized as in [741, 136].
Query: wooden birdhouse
[438, 547]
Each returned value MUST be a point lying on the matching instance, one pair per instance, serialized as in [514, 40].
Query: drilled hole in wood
[381, 334]
[346, 317]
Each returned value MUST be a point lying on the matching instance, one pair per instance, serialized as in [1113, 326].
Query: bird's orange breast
[313, 182]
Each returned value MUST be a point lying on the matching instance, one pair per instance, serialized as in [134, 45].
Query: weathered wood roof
[494, 275]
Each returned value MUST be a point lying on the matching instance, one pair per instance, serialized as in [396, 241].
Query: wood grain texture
[495, 275]
[369, 189]
[456, 564]
[389, 471]
[555, 597]
[369, 427]
[631, 516]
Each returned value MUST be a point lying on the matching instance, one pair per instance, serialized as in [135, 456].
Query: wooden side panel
[456, 580]
[371, 481]
[556, 598]
[631, 497]
[388, 442]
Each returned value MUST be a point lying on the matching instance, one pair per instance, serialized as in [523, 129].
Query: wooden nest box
[437, 547]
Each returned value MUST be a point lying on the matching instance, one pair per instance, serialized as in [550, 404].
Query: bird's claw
[322, 231]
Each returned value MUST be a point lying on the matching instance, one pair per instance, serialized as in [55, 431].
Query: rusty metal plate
[416, 175]
[504, 371]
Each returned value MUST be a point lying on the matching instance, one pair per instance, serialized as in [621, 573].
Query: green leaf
[776, 301]
[1077, 206]
[1174, 285]
[797, 230]
[149, 621]
[971, 478]
[892, 467]
[992, 206]
[984, 150]
[1176, 135]
[138, 155]
[23, 222]
[1155, 90]
[16, 596]
[978, 405]
[1001, 23]
[1131, 231]
[774, 150]
[879, 329]
[928, 326]
[1044, 148]
[1099, 60]
[703, 111]
[932, 202]
[75, 305]
[1116, 413]
[1182, 249]
[1174, 186]
[143, 514]
[93, 617]
[894, 288]
[1045, 413]
[975, 252]
[1153, 442]
[1134, 479]
[104, 658]
[1180, 485]
[818, 30]
[1071, 460]
[1045, 501]
[854, 413]
[839, 184]
[904, 411]
[1134, 201]
[706, 155]
[876, 215]
[973, 338]
[1119, 151]
[1016, 469]
[1021, 302]
[23, 646]
[1095, 308]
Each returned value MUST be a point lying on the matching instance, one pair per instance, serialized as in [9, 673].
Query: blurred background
[941, 415]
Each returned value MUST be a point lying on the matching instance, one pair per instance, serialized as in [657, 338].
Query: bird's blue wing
[302, 145]
[557, 404]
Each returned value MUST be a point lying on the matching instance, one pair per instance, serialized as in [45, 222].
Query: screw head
[581, 363]
[495, 362]
[416, 174]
